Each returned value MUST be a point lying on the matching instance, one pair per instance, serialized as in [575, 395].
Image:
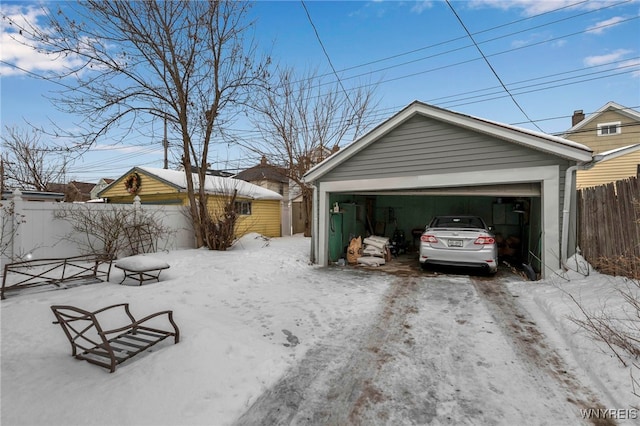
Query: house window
[243, 207]
[605, 129]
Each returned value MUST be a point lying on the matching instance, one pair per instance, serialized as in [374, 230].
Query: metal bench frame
[109, 348]
[56, 272]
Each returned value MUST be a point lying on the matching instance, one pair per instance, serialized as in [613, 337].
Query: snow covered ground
[553, 301]
[259, 313]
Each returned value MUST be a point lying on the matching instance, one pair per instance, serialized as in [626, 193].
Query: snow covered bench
[92, 342]
[141, 268]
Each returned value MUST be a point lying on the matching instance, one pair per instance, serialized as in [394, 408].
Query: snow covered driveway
[441, 349]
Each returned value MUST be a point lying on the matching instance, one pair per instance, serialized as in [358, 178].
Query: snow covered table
[141, 268]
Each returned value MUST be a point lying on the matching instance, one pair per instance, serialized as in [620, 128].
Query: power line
[327, 55]
[462, 98]
[547, 88]
[602, 26]
[398, 55]
[450, 51]
[473, 60]
[556, 77]
[491, 66]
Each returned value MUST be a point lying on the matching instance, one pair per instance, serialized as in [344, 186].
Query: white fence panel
[34, 229]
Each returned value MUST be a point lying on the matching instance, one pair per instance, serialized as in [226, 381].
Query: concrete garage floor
[407, 265]
[443, 349]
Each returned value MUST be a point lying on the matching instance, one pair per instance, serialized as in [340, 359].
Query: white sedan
[459, 241]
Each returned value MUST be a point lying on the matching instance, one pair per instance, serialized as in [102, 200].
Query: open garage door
[513, 210]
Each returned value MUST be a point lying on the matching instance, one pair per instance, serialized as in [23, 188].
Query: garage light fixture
[519, 207]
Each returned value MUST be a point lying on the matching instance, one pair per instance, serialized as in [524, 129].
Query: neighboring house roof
[609, 106]
[73, 191]
[57, 187]
[213, 184]
[617, 152]
[102, 183]
[535, 140]
[264, 171]
[212, 172]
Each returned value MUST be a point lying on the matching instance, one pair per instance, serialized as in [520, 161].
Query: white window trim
[244, 208]
[618, 125]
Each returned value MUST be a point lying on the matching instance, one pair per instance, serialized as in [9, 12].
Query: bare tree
[186, 62]
[303, 120]
[27, 163]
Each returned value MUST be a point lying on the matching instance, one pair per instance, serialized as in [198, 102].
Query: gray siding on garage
[425, 146]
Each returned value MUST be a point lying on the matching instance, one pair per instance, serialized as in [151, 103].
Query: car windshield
[458, 222]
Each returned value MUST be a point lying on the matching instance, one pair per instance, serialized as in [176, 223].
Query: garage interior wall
[362, 215]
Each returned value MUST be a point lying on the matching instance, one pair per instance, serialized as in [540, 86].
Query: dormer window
[606, 129]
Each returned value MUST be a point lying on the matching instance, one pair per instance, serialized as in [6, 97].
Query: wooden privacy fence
[609, 227]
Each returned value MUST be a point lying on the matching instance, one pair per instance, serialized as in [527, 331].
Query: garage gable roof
[536, 140]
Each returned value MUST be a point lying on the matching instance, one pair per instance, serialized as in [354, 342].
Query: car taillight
[428, 239]
[484, 240]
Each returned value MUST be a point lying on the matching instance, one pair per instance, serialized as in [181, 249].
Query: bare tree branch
[186, 62]
[302, 121]
[27, 163]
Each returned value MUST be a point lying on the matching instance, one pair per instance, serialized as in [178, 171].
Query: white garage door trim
[547, 176]
[528, 189]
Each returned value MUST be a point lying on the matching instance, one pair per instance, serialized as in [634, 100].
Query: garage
[426, 161]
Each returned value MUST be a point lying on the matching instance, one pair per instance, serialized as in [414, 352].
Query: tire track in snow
[333, 384]
[531, 345]
[441, 350]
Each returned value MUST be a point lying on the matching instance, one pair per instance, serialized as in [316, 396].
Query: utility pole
[165, 141]
[165, 144]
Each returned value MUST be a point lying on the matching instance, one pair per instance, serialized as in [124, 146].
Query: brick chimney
[578, 116]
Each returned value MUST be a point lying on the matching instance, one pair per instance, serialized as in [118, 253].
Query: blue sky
[553, 57]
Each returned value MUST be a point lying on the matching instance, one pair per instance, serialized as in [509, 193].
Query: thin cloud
[421, 6]
[18, 55]
[602, 26]
[607, 58]
[630, 64]
[536, 38]
[533, 7]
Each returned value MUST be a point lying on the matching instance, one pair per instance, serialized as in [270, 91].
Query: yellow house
[258, 208]
[611, 127]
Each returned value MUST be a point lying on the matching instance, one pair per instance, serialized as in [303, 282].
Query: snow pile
[554, 302]
[141, 263]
